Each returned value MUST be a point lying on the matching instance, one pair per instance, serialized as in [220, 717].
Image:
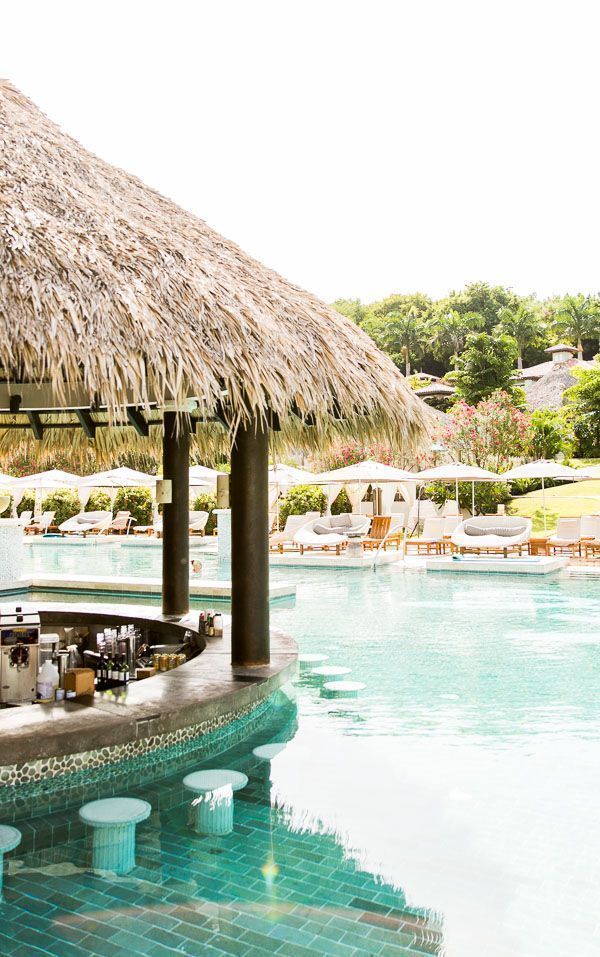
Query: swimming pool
[459, 790]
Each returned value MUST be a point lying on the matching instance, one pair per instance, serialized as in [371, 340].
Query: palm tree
[521, 324]
[400, 334]
[578, 318]
[448, 332]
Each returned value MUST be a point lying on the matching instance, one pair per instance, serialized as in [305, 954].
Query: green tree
[486, 366]
[584, 409]
[522, 324]
[482, 299]
[448, 331]
[577, 318]
[551, 433]
[401, 335]
[64, 502]
[352, 308]
[302, 499]
[207, 503]
[489, 434]
[138, 501]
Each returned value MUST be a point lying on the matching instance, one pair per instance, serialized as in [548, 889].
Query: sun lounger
[492, 533]
[198, 522]
[283, 539]
[330, 531]
[40, 525]
[567, 537]
[120, 525]
[590, 534]
[432, 539]
[86, 523]
[155, 529]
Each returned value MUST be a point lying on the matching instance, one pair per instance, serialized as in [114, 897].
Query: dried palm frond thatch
[109, 289]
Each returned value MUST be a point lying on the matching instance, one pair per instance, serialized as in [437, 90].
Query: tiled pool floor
[267, 888]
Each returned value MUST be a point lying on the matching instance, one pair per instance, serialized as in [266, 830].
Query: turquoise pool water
[451, 808]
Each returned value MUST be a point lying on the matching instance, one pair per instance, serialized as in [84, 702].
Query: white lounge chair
[40, 525]
[155, 529]
[567, 537]
[198, 522]
[293, 523]
[492, 533]
[25, 517]
[330, 531]
[432, 539]
[86, 523]
[420, 511]
[590, 534]
[120, 525]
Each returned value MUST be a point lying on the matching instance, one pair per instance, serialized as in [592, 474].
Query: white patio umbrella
[203, 477]
[113, 479]
[43, 481]
[457, 472]
[362, 475]
[544, 469]
[281, 479]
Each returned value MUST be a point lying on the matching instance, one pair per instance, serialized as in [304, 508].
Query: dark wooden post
[176, 519]
[249, 496]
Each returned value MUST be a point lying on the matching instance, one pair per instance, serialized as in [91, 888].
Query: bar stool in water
[113, 821]
[212, 809]
[10, 838]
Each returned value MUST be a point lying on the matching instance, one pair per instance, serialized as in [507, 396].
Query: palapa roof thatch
[114, 296]
[548, 392]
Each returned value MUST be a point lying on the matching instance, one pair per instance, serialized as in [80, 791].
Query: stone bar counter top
[206, 690]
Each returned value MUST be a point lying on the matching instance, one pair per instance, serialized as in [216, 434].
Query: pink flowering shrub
[489, 434]
[351, 453]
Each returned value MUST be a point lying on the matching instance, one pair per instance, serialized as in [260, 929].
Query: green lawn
[562, 501]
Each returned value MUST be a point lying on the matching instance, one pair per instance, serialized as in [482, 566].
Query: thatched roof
[547, 393]
[115, 296]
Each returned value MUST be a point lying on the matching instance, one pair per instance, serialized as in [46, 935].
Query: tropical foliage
[64, 502]
[486, 366]
[418, 332]
[206, 503]
[488, 434]
[301, 499]
[138, 501]
[584, 409]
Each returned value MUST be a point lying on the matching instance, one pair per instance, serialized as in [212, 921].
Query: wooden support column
[176, 519]
[249, 497]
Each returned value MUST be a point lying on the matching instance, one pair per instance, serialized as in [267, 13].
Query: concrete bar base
[113, 821]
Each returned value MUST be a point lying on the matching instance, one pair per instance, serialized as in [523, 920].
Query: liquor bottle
[109, 672]
[102, 673]
[124, 671]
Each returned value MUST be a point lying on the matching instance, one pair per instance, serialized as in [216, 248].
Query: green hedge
[341, 505]
[98, 502]
[64, 503]
[138, 501]
[206, 503]
[301, 499]
[27, 503]
[488, 495]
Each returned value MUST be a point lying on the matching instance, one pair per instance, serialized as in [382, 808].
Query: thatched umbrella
[116, 304]
[113, 294]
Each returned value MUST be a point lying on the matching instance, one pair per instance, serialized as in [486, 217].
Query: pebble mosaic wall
[39, 783]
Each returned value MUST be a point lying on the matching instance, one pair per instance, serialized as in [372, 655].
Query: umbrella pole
[473, 499]
[544, 503]
[457, 505]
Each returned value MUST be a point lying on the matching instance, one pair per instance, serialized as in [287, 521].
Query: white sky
[359, 148]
